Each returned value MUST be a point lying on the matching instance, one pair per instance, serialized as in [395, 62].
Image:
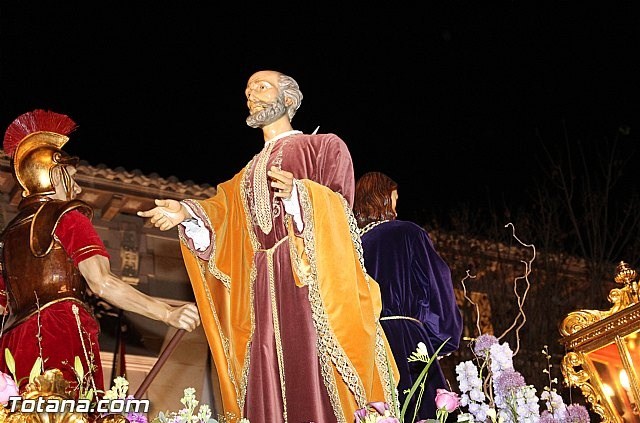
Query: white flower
[422, 349]
[465, 418]
[118, 390]
[420, 354]
[204, 413]
[555, 404]
[187, 414]
[501, 358]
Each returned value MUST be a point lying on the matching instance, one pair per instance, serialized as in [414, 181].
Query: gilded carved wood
[601, 347]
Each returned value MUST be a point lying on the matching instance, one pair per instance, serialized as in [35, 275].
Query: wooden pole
[159, 363]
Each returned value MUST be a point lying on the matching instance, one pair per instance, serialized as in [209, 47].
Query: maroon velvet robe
[283, 371]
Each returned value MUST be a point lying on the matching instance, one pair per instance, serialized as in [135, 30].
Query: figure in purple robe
[418, 301]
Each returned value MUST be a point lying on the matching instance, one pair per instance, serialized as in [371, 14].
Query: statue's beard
[268, 114]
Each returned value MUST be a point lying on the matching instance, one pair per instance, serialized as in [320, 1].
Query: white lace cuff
[195, 229]
[292, 207]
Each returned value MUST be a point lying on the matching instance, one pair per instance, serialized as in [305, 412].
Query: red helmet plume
[35, 121]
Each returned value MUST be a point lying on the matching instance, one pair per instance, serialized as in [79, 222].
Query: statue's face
[63, 180]
[262, 88]
[264, 100]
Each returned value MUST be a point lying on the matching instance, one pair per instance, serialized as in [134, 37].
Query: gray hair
[289, 88]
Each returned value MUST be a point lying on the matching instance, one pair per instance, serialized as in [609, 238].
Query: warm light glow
[608, 390]
[632, 341]
[624, 380]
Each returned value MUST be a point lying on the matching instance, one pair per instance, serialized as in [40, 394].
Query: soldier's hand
[184, 317]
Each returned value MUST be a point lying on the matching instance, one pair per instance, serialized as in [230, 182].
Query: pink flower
[379, 409]
[447, 400]
[360, 414]
[8, 388]
[379, 406]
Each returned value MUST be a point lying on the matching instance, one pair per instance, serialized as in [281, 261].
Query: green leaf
[36, 370]
[11, 362]
[77, 365]
[420, 379]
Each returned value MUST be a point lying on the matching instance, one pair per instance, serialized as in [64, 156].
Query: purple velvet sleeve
[437, 308]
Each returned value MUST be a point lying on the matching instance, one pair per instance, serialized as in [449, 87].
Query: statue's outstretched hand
[166, 215]
[184, 317]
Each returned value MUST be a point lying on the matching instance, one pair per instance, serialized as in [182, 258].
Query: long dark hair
[373, 198]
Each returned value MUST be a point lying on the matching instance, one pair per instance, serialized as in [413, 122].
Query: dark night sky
[446, 97]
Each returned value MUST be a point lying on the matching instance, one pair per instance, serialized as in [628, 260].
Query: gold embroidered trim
[247, 356]
[85, 250]
[213, 269]
[276, 326]
[261, 198]
[381, 357]
[271, 250]
[330, 352]
[245, 190]
[244, 197]
[383, 365]
[226, 344]
[240, 387]
[355, 234]
[297, 262]
[277, 162]
[371, 225]
[382, 360]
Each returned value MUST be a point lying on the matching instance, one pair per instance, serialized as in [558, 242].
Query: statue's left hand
[282, 181]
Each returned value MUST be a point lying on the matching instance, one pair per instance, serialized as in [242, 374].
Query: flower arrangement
[446, 401]
[492, 391]
[187, 414]
[119, 391]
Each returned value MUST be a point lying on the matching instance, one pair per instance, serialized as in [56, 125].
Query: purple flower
[507, 381]
[547, 417]
[137, 418]
[577, 413]
[482, 345]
